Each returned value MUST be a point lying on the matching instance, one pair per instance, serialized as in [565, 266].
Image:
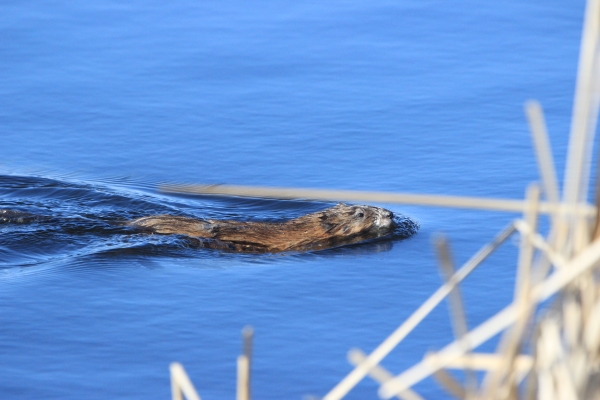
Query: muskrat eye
[360, 215]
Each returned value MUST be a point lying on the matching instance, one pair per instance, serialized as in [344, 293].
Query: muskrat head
[347, 220]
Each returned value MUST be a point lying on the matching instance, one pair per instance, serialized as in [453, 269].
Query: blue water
[102, 102]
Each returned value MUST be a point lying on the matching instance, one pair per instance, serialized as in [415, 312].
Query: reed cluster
[544, 352]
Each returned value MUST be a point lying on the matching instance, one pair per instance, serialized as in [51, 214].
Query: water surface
[101, 103]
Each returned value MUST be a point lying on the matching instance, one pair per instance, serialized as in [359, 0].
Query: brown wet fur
[335, 226]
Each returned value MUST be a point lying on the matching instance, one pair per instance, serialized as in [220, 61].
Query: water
[99, 104]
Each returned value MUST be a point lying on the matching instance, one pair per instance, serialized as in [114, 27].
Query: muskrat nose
[385, 219]
[385, 214]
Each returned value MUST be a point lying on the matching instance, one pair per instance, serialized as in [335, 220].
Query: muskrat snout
[385, 219]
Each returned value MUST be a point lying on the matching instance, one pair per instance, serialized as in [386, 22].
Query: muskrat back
[342, 224]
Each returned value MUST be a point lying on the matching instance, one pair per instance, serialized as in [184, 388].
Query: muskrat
[335, 226]
[339, 225]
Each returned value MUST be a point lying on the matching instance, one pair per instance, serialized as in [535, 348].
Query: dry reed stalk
[483, 362]
[474, 203]
[543, 151]
[243, 375]
[247, 339]
[583, 126]
[573, 335]
[244, 365]
[181, 385]
[503, 319]
[552, 350]
[451, 385]
[542, 245]
[361, 370]
[563, 367]
[499, 382]
[380, 374]
[565, 363]
[526, 249]
[456, 308]
[585, 109]
[596, 229]
[546, 167]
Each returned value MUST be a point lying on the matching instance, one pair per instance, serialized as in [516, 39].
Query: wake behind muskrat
[332, 227]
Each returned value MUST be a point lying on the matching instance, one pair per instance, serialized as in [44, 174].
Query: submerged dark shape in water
[18, 217]
[332, 227]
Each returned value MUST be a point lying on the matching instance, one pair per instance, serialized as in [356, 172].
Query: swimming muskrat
[334, 226]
